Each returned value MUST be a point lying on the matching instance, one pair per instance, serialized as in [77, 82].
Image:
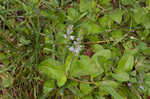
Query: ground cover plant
[74, 49]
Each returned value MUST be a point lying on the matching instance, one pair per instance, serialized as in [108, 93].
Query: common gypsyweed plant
[74, 42]
[45, 46]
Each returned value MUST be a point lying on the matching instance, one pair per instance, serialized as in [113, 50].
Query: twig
[99, 42]
[103, 9]
[86, 82]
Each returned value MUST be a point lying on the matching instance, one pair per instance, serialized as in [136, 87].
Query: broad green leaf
[97, 47]
[106, 21]
[84, 5]
[72, 13]
[87, 5]
[53, 69]
[85, 89]
[111, 83]
[75, 91]
[105, 53]
[117, 34]
[48, 86]
[147, 79]
[146, 20]
[116, 15]
[91, 27]
[128, 2]
[128, 45]
[121, 76]
[143, 34]
[138, 14]
[85, 66]
[126, 63]
[105, 2]
[146, 51]
[111, 91]
[62, 81]
[147, 2]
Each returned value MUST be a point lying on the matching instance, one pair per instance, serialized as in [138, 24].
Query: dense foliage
[74, 49]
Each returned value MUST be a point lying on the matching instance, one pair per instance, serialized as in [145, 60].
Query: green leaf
[72, 13]
[48, 86]
[106, 53]
[84, 6]
[2, 56]
[106, 21]
[121, 76]
[117, 34]
[85, 66]
[91, 27]
[111, 83]
[68, 62]
[138, 14]
[85, 89]
[62, 81]
[87, 5]
[97, 47]
[143, 34]
[126, 63]
[145, 21]
[147, 79]
[146, 51]
[53, 69]
[116, 15]
[112, 92]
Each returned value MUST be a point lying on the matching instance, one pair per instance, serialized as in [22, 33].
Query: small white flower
[72, 37]
[71, 48]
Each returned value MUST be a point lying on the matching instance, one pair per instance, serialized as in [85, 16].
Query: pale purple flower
[72, 37]
[141, 87]
[65, 36]
[71, 48]
[129, 84]
[75, 42]
[78, 39]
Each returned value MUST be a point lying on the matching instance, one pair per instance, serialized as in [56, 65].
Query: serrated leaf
[121, 76]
